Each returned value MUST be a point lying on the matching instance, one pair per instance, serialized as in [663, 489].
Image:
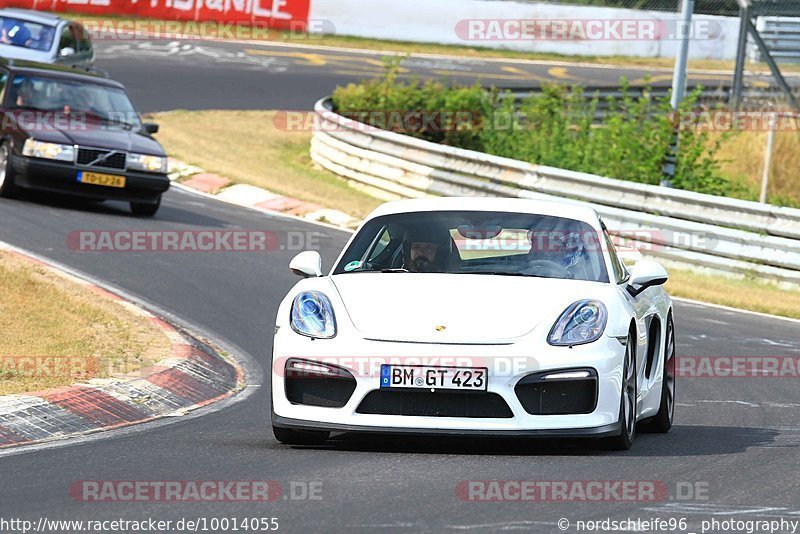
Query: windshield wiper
[109, 120]
[32, 108]
[103, 118]
[399, 270]
[505, 273]
[117, 122]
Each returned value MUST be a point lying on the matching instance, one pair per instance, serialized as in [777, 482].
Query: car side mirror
[150, 127]
[307, 264]
[66, 52]
[644, 274]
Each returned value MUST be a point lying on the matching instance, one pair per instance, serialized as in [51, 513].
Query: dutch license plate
[431, 377]
[97, 178]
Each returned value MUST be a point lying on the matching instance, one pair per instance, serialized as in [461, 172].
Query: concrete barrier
[529, 26]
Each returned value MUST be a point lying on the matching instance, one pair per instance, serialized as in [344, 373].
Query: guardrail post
[766, 55]
[768, 157]
[741, 50]
[678, 88]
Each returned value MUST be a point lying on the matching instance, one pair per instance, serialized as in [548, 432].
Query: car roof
[555, 208]
[17, 66]
[32, 15]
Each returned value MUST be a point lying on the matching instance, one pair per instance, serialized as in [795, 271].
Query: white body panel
[490, 321]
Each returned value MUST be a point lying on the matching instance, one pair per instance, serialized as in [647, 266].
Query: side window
[84, 41]
[385, 251]
[381, 245]
[67, 39]
[620, 271]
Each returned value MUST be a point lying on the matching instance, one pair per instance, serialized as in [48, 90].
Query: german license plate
[432, 377]
[98, 178]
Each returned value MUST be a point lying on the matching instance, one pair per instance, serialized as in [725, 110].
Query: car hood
[473, 309]
[116, 138]
[60, 129]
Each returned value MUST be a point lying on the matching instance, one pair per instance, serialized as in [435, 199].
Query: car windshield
[26, 34]
[88, 100]
[477, 242]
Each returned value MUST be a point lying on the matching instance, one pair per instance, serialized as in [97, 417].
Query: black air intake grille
[436, 404]
[329, 390]
[558, 396]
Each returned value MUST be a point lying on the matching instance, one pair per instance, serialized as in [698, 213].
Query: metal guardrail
[753, 97]
[604, 92]
[782, 37]
[722, 234]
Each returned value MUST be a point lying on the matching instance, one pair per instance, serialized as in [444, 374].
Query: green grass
[246, 147]
[56, 332]
[746, 294]
[741, 157]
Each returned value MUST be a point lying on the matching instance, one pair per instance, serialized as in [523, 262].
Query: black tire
[8, 189]
[145, 209]
[289, 436]
[662, 421]
[627, 403]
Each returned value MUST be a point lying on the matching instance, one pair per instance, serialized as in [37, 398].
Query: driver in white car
[423, 252]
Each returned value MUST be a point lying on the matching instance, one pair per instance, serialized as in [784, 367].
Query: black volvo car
[73, 132]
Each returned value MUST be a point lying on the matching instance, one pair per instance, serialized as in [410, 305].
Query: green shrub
[558, 127]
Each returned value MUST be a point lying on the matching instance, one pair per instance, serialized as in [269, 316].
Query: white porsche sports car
[475, 316]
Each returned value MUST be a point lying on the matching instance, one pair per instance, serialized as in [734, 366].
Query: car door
[85, 53]
[10, 132]
[67, 51]
[4, 123]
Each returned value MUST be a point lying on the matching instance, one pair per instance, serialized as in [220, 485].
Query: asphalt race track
[193, 74]
[736, 442]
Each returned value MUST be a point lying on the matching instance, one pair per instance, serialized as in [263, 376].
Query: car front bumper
[61, 177]
[604, 431]
[507, 365]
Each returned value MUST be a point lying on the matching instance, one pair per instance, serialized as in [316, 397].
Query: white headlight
[312, 315]
[39, 149]
[143, 162]
[582, 322]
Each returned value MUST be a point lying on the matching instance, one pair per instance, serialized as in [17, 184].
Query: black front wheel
[146, 209]
[8, 188]
[627, 404]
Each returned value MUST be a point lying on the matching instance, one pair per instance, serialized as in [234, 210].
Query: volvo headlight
[312, 315]
[582, 322]
[39, 149]
[143, 162]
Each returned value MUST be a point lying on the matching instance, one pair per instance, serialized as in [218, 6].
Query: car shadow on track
[69, 202]
[169, 212]
[683, 440]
